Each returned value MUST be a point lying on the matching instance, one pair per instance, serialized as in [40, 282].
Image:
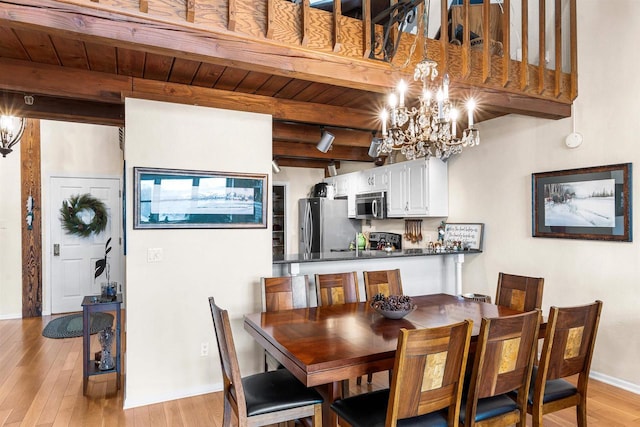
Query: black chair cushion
[553, 389]
[490, 407]
[370, 410]
[276, 391]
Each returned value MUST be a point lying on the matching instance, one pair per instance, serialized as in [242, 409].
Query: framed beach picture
[172, 198]
[589, 203]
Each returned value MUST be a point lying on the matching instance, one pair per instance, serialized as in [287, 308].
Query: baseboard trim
[131, 403]
[10, 316]
[616, 382]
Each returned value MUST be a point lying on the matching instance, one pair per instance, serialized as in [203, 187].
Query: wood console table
[92, 304]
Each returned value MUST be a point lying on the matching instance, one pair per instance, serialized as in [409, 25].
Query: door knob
[56, 249]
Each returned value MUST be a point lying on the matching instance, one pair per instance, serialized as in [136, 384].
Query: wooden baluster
[506, 45]
[191, 10]
[306, 8]
[366, 28]
[542, 40]
[524, 66]
[271, 18]
[574, 49]
[486, 45]
[231, 26]
[558, 48]
[444, 36]
[337, 13]
[144, 6]
[466, 40]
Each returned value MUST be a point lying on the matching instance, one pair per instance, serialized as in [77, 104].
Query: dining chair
[569, 339]
[427, 386]
[386, 282]
[337, 288]
[503, 362]
[520, 293]
[261, 399]
[283, 293]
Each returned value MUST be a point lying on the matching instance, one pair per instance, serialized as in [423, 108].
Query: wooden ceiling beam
[32, 78]
[51, 80]
[280, 109]
[68, 110]
[297, 132]
[309, 151]
[190, 41]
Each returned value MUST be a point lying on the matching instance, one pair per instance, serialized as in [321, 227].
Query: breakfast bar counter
[422, 272]
[361, 255]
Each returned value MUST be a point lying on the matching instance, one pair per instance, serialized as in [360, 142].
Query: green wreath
[72, 221]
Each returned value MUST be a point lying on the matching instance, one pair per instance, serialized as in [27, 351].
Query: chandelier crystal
[430, 129]
[11, 129]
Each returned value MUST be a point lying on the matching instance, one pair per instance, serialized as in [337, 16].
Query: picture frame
[470, 234]
[592, 203]
[179, 199]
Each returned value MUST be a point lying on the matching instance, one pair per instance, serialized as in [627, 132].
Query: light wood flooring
[41, 385]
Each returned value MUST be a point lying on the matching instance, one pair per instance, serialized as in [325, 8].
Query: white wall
[168, 314]
[10, 237]
[492, 184]
[300, 182]
[67, 149]
[73, 150]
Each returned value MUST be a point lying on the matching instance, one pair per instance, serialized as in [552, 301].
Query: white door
[73, 258]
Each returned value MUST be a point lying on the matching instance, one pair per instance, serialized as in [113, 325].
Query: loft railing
[526, 46]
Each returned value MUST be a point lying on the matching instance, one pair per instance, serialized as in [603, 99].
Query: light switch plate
[154, 254]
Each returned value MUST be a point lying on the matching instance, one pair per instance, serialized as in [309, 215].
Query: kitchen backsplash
[429, 230]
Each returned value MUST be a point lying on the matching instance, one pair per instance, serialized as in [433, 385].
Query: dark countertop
[351, 255]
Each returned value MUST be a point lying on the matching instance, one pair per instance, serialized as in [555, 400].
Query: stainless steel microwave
[371, 205]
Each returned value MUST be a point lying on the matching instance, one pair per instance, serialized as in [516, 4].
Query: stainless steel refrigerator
[324, 225]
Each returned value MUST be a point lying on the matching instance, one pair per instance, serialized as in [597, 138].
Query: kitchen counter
[353, 255]
[422, 272]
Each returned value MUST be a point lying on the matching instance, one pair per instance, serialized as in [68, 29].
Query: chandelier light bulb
[383, 117]
[402, 88]
[5, 124]
[393, 101]
[471, 106]
[454, 119]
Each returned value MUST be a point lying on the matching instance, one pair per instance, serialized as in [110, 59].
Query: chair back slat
[429, 371]
[385, 282]
[339, 288]
[228, 359]
[520, 293]
[285, 293]
[571, 336]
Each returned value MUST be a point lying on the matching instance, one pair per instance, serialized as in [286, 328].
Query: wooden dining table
[322, 346]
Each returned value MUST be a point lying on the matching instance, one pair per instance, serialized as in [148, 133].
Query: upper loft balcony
[307, 63]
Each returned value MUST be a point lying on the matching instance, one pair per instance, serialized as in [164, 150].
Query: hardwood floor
[41, 385]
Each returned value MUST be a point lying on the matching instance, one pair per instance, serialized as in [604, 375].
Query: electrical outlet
[204, 349]
[154, 254]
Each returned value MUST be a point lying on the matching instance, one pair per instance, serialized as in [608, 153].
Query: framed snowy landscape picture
[588, 203]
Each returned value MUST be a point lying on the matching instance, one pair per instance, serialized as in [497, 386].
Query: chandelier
[428, 128]
[11, 129]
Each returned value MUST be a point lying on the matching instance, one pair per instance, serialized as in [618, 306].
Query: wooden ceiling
[79, 64]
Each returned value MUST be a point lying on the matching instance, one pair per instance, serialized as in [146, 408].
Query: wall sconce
[325, 141]
[275, 166]
[11, 129]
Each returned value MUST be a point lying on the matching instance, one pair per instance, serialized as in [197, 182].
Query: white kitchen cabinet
[418, 188]
[345, 186]
[375, 179]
